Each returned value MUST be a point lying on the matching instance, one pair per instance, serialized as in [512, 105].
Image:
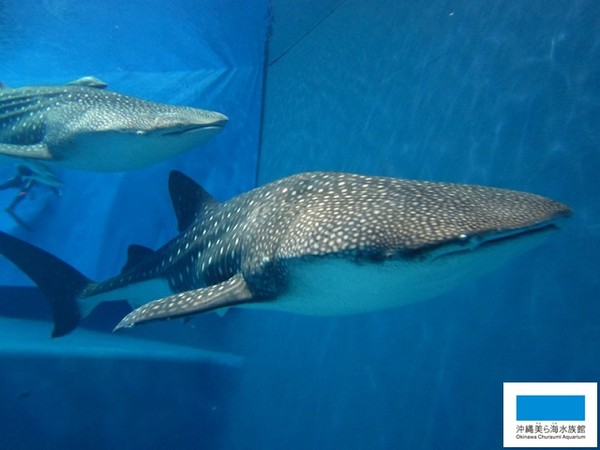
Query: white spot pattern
[255, 234]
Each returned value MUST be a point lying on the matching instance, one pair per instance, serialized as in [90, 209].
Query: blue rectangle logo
[550, 407]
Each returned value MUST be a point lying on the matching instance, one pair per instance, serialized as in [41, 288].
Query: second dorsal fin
[136, 254]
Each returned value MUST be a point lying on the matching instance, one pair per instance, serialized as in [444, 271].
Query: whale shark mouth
[499, 238]
[216, 126]
[479, 243]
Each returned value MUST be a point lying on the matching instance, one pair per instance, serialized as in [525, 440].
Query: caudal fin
[59, 282]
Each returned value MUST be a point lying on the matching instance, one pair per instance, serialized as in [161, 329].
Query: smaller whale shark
[80, 125]
[315, 243]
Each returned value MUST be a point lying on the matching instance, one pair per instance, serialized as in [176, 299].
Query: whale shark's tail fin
[59, 282]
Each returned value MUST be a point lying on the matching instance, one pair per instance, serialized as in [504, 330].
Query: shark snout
[214, 119]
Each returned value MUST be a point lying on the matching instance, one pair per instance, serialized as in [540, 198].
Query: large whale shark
[80, 125]
[314, 243]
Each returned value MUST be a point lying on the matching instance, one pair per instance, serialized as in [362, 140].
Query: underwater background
[501, 92]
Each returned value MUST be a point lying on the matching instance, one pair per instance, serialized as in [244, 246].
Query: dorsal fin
[189, 199]
[135, 254]
[92, 82]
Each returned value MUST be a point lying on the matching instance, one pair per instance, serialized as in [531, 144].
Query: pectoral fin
[233, 291]
[36, 151]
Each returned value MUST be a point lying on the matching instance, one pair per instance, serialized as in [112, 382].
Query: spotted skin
[80, 125]
[257, 235]
[284, 246]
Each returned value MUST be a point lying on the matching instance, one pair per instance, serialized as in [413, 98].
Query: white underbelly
[336, 286]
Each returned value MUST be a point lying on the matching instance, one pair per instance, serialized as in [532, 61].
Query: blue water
[501, 92]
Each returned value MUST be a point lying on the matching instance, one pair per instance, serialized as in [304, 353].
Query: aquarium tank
[501, 93]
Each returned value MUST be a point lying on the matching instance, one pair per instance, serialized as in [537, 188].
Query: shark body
[80, 125]
[316, 243]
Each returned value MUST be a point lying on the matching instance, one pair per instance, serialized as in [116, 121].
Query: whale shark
[317, 243]
[80, 125]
